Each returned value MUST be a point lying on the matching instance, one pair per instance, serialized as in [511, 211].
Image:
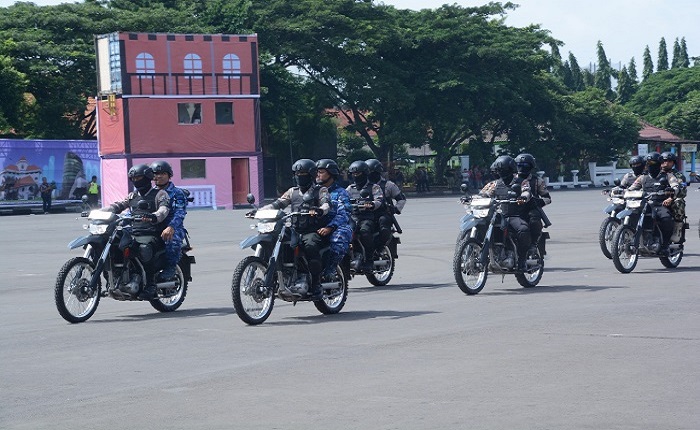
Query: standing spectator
[418, 178]
[46, 189]
[93, 192]
[479, 177]
[399, 178]
[79, 187]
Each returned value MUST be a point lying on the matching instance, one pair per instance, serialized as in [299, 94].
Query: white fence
[204, 195]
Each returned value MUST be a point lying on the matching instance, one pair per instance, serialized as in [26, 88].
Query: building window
[193, 169]
[145, 65]
[232, 66]
[189, 113]
[115, 68]
[193, 65]
[224, 112]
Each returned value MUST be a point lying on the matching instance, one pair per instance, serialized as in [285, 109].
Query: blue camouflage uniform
[175, 219]
[341, 223]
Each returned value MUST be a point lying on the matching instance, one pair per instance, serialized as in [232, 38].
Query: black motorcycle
[279, 269]
[640, 235]
[486, 244]
[610, 224]
[124, 262]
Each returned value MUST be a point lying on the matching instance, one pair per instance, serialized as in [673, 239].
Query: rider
[668, 166]
[391, 192]
[308, 226]
[534, 194]
[338, 227]
[174, 233]
[637, 165]
[661, 204]
[363, 214]
[148, 221]
[503, 168]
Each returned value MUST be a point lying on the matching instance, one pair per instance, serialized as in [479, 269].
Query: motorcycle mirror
[606, 182]
[142, 204]
[364, 194]
[84, 199]
[663, 182]
[308, 197]
[617, 182]
[250, 198]
[464, 188]
[516, 188]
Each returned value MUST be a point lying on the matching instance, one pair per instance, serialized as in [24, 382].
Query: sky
[625, 27]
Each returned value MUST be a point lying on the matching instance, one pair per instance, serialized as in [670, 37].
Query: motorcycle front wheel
[175, 297]
[606, 234]
[252, 300]
[469, 273]
[335, 293]
[625, 254]
[75, 300]
[382, 274]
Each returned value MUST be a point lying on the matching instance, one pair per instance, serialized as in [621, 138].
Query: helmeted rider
[534, 194]
[319, 205]
[668, 166]
[174, 232]
[637, 165]
[504, 169]
[339, 226]
[363, 215]
[148, 221]
[661, 204]
[391, 193]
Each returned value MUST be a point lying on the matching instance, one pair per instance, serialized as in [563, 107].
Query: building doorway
[240, 180]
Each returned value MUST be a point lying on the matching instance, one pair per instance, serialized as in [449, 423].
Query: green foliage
[648, 64]
[684, 118]
[662, 62]
[12, 102]
[603, 72]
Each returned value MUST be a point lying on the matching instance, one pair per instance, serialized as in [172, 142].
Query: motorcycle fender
[609, 209]
[82, 241]
[469, 224]
[624, 213]
[254, 240]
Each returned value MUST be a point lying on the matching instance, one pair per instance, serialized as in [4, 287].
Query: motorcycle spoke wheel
[335, 293]
[382, 274]
[606, 235]
[469, 273]
[173, 298]
[75, 301]
[532, 276]
[673, 260]
[625, 254]
[252, 300]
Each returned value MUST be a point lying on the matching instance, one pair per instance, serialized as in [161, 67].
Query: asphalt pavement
[589, 348]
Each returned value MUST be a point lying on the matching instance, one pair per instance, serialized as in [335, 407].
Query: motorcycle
[486, 244]
[279, 269]
[125, 262]
[640, 235]
[611, 222]
[384, 256]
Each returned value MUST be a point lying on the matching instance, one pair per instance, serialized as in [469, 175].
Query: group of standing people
[335, 212]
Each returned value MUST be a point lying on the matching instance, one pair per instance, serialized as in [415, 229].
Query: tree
[662, 62]
[13, 84]
[576, 75]
[632, 70]
[603, 72]
[625, 86]
[685, 61]
[684, 118]
[676, 60]
[648, 69]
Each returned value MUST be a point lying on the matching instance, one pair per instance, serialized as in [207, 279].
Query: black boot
[316, 292]
[148, 292]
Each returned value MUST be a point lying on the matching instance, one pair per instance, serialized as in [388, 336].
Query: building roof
[656, 134]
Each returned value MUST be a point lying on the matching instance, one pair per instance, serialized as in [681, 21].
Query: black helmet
[374, 165]
[637, 164]
[668, 156]
[653, 160]
[304, 165]
[358, 166]
[162, 166]
[329, 165]
[141, 170]
[503, 166]
[525, 163]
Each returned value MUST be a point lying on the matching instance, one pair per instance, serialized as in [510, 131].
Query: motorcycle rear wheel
[672, 261]
[382, 277]
[252, 300]
[469, 273]
[529, 279]
[334, 298]
[75, 301]
[171, 303]
[606, 235]
[625, 254]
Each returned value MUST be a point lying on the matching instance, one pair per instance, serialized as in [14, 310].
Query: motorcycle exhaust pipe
[168, 284]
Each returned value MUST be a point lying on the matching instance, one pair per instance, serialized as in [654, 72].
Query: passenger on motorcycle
[660, 204]
[317, 206]
[174, 232]
[339, 227]
[503, 168]
[364, 213]
[149, 221]
[534, 194]
[391, 193]
[668, 166]
[637, 165]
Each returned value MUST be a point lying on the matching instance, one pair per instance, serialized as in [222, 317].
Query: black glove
[395, 210]
[251, 214]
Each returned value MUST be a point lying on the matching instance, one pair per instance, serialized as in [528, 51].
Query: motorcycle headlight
[617, 201]
[98, 228]
[480, 213]
[266, 227]
[634, 204]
